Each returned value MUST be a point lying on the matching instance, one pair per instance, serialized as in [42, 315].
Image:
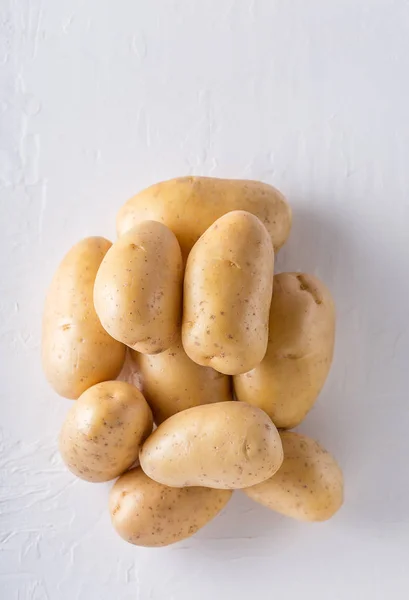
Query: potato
[138, 288]
[299, 354]
[76, 350]
[227, 294]
[104, 430]
[227, 445]
[171, 382]
[147, 513]
[189, 205]
[309, 484]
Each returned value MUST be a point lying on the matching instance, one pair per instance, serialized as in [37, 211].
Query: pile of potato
[226, 353]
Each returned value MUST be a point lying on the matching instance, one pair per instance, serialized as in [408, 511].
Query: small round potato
[77, 352]
[189, 205]
[147, 513]
[138, 288]
[104, 430]
[228, 445]
[309, 484]
[227, 294]
[299, 353]
[171, 382]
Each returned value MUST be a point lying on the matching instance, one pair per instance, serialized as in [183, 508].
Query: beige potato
[189, 205]
[171, 382]
[147, 513]
[308, 486]
[138, 288]
[228, 445]
[299, 354]
[77, 352]
[104, 430]
[227, 295]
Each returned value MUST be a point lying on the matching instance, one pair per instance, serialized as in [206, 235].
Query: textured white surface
[99, 99]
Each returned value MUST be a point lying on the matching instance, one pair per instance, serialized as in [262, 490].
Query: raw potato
[104, 430]
[228, 445]
[299, 354]
[227, 294]
[171, 382]
[189, 205]
[309, 484]
[138, 288]
[76, 350]
[147, 513]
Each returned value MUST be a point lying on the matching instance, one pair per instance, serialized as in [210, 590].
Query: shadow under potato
[360, 412]
[323, 245]
[248, 523]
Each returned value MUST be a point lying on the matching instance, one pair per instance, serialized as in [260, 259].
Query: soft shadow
[361, 415]
[256, 530]
[322, 244]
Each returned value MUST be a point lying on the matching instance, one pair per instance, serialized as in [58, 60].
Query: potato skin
[138, 288]
[189, 205]
[228, 445]
[104, 430]
[77, 352]
[227, 294]
[309, 484]
[147, 513]
[171, 382]
[299, 354]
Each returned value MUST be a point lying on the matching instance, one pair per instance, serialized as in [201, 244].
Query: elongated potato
[299, 354]
[138, 288]
[104, 430]
[308, 486]
[227, 294]
[228, 445]
[171, 382]
[147, 513]
[189, 205]
[77, 352]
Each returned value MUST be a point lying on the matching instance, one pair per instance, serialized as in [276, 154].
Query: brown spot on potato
[305, 286]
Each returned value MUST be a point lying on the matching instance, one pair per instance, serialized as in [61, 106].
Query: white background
[99, 99]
